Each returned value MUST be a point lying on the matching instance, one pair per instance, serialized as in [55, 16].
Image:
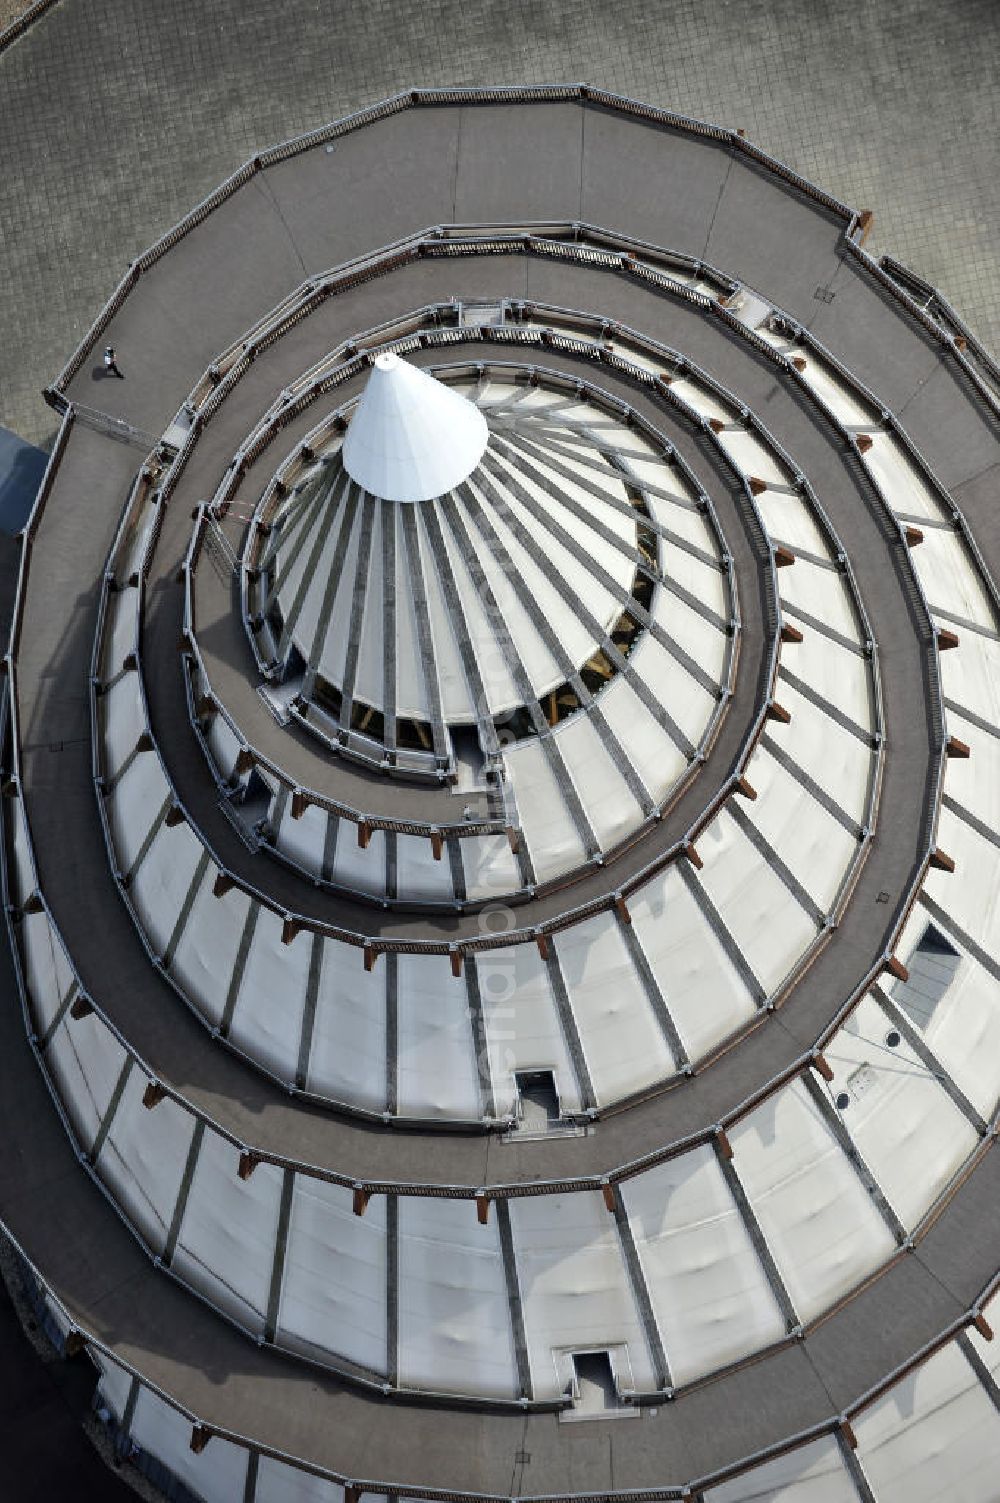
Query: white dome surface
[411, 437]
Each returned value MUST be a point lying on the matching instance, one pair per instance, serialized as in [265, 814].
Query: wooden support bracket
[608, 1191]
[778, 712]
[361, 1199]
[200, 1437]
[745, 787]
[913, 536]
[798, 363]
[482, 1207]
[621, 908]
[437, 844]
[369, 957]
[364, 834]
[724, 1145]
[455, 956]
[153, 1095]
[247, 1164]
[222, 884]
[982, 1325]
[81, 1008]
[940, 862]
[822, 1068]
[783, 557]
[513, 840]
[946, 639]
[896, 968]
[175, 816]
[144, 743]
[864, 226]
[244, 761]
[716, 425]
[542, 941]
[692, 855]
[847, 1431]
[757, 487]
[289, 929]
[864, 442]
[956, 748]
[300, 804]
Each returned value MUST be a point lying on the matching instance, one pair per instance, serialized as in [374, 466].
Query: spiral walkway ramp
[501, 837]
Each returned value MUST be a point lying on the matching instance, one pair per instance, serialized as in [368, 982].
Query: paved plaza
[116, 114]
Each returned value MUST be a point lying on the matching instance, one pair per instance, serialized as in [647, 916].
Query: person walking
[111, 365]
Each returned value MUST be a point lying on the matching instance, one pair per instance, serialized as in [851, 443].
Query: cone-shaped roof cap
[411, 436]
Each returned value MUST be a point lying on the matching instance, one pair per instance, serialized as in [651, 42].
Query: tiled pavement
[117, 115]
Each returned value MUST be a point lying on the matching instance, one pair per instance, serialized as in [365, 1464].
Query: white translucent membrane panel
[135, 803]
[903, 486]
[836, 759]
[205, 955]
[789, 519]
[369, 681]
[951, 579]
[310, 572]
[554, 843]
[133, 546]
[622, 1042]
[703, 401]
[217, 1475]
[226, 1244]
[704, 994]
[675, 514]
[114, 1382]
[754, 457]
[520, 601]
[267, 1021]
[163, 880]
[224, 745]
[655, 757]
[963, 1029]
[821, 593]
[418, 875]
[971, 675]
[302, 840]
[436, 1070]
[558, 493]
[975, 781]
[907, 1129]
[810, 841]
[574, 1288]
[819, 1221]
[814, 1473]
[514, 595]
[667, 680]
[86, 1060]
[143, 1157]
[934, 1435]
[702, 640]
[120, 631]
[48, 974]
[363, 869]
[489, 865]
[836, 395]
[457, 697]
[501, 691]
[333, 1290]
[279, 1482]
[122, 719]
[709, 1293]
[347, 1055]
[454, 1313]
[969, 894]
[522, 1026]
[411, 690]
[558, 560]
[766, 922]
[21, 874]
[611, 807]
[842, 676]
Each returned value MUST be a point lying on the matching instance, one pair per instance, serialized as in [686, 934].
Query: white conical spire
[411, 437]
